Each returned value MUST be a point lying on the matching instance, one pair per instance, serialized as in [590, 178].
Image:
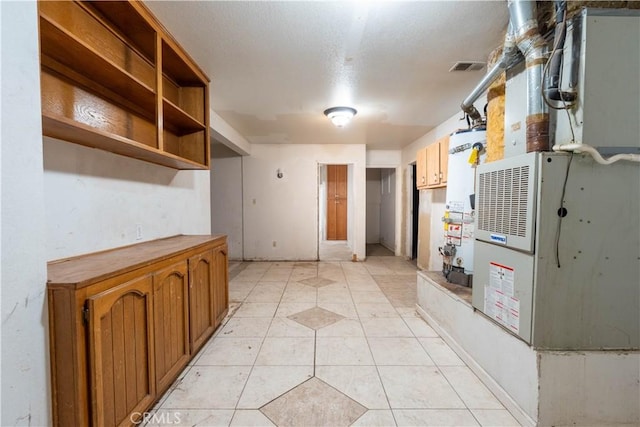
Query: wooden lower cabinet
[120, 351]
[171, 322]
[124, 323]
[201, 299]
[221, 277]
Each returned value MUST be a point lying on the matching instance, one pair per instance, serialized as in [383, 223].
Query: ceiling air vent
[467, 66]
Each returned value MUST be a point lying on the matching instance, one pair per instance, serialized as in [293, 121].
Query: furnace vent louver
[467, 66]
[505, 204]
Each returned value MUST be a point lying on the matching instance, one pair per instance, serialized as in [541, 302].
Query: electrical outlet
[138, 231]
[274, 243]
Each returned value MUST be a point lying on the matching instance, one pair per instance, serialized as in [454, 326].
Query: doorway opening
[415, 207]
[381, 211]
[335, 212]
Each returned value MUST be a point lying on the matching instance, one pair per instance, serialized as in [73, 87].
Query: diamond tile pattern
[329, 344]
[317, 282]
[313, 403]
[316, 318]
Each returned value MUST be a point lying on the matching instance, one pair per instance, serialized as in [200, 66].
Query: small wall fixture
[340, 116]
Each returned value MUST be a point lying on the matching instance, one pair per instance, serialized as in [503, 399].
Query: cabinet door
[202, 316]
[433, 165]
[421, 168]
[121, 352]
[221, 283]
[444, 159]
[171, 323]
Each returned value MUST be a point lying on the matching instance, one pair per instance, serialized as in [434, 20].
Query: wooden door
[171, 322]
[202, 317]
[121, 352]
[221, 283]
[336, 202]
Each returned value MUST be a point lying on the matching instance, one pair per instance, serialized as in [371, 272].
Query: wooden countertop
[83, 270]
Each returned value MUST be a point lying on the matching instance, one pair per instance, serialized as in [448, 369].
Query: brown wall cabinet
[123, 324]
[431, 165]
[113, 78]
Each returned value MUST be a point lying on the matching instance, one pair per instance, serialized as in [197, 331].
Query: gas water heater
[466, 151]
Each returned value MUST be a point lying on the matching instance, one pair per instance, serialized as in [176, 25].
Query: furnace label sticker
[501, 277]
[499, 301]
[502, 308]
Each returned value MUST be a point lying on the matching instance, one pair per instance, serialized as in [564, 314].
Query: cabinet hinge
[85, 315]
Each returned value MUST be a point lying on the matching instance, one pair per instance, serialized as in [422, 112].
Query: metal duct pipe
[510, 56]
[525, 26]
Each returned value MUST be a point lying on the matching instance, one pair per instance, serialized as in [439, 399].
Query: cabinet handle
[440, 175]
[423, 179]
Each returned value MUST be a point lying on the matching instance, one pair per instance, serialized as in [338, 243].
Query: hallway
[327, 344]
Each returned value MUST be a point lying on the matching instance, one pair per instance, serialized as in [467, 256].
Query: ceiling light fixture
[340, 116]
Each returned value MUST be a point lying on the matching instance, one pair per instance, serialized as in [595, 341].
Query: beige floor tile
[284, 327]
[268, 382]
[249, 276]
[495, 418]
[342, 351]
[225, 351]
[474, 394]
[286, 352]
[316, 318]
[250, 418]
[240, 290]
[346, 309]
[435, 417]
[300, 293]
[376, 418]
[440, 352]
[361, 383]
[190, 417]
[334, 293]
[399, 352]
[368, 297]
[408, 312]
[307, 405]
[286, 309]
[386, 327]
[420, 328]
[343, 328]
[265, 293]
[376, 310]
[209, 387]
[414, 387]
[256, 309]
[246, 327]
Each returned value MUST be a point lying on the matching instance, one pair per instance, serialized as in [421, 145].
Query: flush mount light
[340, 116]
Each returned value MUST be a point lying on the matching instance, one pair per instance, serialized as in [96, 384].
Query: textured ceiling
[276, 66]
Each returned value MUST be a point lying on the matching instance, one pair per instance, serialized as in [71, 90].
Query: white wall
[95, 200]
[388, 209]
[373, 205]
[384, 158]
[226, 202]
[26, 395]
[285, 211]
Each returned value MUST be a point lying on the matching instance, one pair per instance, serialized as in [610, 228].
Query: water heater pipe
[525, 26]
[510, 57]
[522, 36]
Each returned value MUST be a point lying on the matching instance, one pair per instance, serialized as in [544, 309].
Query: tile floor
[327, 344]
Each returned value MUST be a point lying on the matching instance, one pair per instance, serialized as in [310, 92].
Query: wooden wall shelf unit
[124, 323]
[431, 165]
[113, 78]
